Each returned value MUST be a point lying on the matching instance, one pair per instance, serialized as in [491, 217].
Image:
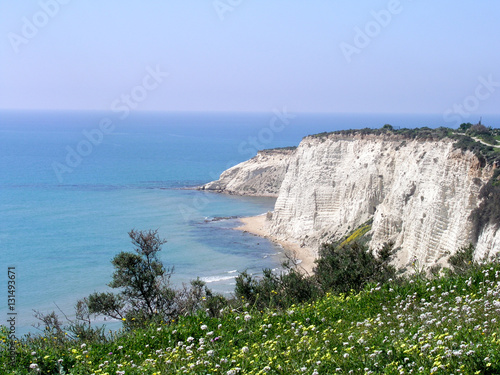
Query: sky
[333, 56]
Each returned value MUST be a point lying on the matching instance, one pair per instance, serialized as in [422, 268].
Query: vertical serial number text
[12, 313]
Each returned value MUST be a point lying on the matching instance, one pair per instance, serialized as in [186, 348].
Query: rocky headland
[420, 190]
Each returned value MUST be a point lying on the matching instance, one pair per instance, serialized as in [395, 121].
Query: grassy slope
[442, 326]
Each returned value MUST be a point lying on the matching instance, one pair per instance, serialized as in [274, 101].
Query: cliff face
[261, 176]
[419, 194]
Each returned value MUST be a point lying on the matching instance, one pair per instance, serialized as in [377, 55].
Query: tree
[464, 127]
[144, 282]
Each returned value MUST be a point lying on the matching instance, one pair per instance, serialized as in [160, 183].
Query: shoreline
[258, 226]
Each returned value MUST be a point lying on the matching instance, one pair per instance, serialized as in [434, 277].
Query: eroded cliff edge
[260, 176]
[419, 193]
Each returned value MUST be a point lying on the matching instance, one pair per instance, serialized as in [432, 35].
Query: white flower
[190, 339]
[245, 349]
[210, 353]
[247, 318]
[346, 355]
[203, 327]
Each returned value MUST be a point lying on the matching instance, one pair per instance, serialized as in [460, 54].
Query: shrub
[462, 262]
[350, 267]
[276, 291]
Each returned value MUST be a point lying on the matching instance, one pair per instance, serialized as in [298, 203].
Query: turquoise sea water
[64, 217]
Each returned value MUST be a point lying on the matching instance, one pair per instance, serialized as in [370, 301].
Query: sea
[74, 183]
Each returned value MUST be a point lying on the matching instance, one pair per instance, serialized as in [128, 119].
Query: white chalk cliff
[260, 176]
[419, 193]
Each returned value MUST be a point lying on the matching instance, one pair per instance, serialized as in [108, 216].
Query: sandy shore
[258, 225]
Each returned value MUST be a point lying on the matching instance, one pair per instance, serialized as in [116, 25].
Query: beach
[259, 226]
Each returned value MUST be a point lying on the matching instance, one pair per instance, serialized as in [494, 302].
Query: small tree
[145, 294]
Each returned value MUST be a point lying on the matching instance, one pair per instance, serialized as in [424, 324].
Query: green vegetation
[464, 137]
[354, 315]
[358, 233]
[288, 148]
[423, 133]
[349, 268]
[415, 325]
[145, 294]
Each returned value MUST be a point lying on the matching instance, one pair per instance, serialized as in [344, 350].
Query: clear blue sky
[255, 55]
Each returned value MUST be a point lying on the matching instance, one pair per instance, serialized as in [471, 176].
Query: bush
[276, 291]
[342, 269]
[462, 262]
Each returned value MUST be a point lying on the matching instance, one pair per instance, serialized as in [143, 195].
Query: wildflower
[245, 349]
[210, 353]
[203, 327]
[247, 318]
